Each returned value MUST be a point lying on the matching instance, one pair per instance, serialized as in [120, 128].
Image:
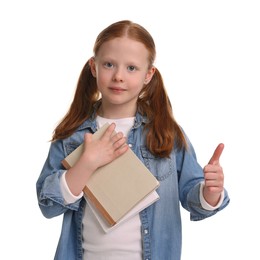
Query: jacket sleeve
[191, 175]
[49, 194]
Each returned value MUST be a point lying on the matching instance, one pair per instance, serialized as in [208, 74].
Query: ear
[149, 75]
[92, 66]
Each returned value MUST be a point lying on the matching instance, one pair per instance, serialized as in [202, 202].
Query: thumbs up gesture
[214, 178]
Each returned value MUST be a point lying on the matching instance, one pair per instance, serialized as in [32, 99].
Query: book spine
[100, 208]
[65, 164]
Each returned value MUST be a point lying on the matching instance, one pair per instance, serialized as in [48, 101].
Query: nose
[118, 75]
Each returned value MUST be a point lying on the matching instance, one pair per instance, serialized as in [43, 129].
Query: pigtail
[81, 108]
[163, 133]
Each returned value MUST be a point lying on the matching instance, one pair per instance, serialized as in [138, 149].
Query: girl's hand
[100, 152]
[96, 154]
[214, 178]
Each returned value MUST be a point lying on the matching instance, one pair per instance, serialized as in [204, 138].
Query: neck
[115, 111]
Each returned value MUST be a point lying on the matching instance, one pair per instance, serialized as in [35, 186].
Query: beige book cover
[116, 188]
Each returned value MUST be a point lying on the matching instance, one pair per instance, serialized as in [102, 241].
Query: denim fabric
[179, 176]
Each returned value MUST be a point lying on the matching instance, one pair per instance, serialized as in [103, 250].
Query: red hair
[163, 132]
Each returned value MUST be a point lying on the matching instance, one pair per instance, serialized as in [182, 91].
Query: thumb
[216, 155]
[88, 137]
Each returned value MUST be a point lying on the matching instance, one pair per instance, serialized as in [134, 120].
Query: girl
[120, 85]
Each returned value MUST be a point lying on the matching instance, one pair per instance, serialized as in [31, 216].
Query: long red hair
[163, 132]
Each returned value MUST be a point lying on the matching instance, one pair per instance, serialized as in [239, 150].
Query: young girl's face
[121, 71]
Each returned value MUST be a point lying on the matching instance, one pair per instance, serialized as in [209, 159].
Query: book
[144, 203]
[116, 188]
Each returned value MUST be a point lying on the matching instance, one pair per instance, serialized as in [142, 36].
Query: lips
[117, 89]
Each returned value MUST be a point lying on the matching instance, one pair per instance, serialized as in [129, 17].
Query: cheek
[138, 84]
[137, 87]
[102, 79]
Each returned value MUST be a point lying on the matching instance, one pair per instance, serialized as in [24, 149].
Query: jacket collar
[91, 123]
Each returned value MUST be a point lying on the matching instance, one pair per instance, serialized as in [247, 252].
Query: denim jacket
[179, 175]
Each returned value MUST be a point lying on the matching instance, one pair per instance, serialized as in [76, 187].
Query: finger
[88, 137]
[216, 155]
[120, 142]
[117, 136]
[121, 150]
[109, 131]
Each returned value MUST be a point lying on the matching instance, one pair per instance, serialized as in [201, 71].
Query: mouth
[117, 89]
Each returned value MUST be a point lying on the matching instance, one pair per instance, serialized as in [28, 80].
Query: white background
[208, 53]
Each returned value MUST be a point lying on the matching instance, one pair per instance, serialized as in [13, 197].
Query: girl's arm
[191, 179]
[97, 153]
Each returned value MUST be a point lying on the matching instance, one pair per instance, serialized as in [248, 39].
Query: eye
[108, 65]
[131, 68]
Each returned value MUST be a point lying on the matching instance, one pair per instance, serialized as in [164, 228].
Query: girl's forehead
[122, 44]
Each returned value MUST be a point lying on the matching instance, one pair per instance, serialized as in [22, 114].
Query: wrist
[205, 204]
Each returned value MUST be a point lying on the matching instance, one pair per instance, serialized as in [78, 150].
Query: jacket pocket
[161, 168]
